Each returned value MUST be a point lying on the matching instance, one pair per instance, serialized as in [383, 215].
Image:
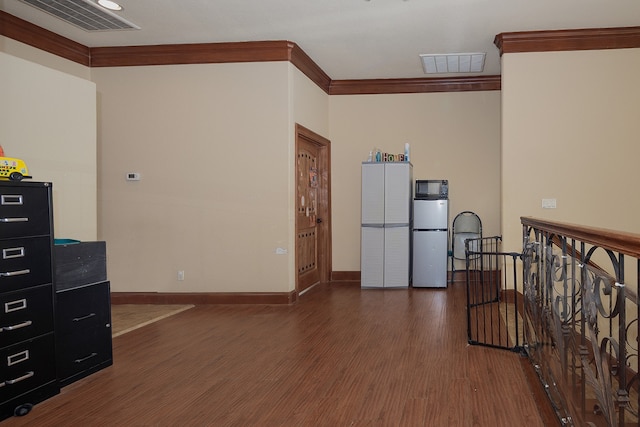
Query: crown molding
[260, 51]
[197, 53]
[27, 33]
[202, 53]
[421, 85]
[309, 68]
[562, 40]
[207, 53]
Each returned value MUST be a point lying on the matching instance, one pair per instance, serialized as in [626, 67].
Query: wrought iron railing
[581, 320]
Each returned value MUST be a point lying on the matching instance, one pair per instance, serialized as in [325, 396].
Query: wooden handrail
[624, 243]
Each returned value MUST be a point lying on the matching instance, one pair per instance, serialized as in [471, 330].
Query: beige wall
[310, 104]
[212, 144]
[570, 131]
[48, 119]
[215, 145]
[454, 136]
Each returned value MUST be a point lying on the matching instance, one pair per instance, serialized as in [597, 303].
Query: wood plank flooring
[340, 356]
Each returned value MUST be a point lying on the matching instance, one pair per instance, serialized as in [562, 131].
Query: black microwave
[432, 189]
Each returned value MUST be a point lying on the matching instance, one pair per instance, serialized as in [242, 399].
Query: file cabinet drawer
[83, 353]
[25, 262]
[24, 210]
[83, 308]
[26, 366]
[25, 314]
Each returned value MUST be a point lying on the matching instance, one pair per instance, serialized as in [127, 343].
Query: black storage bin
[79, 264]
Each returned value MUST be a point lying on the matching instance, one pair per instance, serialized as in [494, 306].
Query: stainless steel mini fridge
[430, 242]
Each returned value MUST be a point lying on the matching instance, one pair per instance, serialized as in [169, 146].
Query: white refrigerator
[385, 253]
[430, 243]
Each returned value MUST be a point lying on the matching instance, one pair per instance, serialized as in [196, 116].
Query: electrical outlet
[181, 275]
[548, 203]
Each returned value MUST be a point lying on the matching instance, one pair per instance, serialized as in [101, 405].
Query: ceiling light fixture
[453, 63]
[108, 4]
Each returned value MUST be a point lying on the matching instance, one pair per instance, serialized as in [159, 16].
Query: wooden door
[313, 222]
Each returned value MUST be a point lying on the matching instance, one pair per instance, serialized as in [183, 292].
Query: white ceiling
[348, 39]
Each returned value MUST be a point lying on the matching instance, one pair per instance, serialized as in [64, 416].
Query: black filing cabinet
[83, 310]
[83, 330]
[27, 297]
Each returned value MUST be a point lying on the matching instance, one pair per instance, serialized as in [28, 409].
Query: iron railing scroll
[581, 320]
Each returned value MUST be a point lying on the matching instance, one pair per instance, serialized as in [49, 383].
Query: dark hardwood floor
[340, 356]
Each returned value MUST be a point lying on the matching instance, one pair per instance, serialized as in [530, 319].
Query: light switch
[548, 203]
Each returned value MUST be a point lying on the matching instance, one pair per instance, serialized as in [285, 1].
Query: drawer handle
[16, 305]
[15, 273]
[85, 358]
[18, 326]
[2, 384]
[11, 199]
[9, 253]
[17, 358]
[88, 316]
[18, 219]
[24, 377]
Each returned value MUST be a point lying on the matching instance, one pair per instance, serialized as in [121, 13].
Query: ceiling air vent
[453, 63]
[84, 14]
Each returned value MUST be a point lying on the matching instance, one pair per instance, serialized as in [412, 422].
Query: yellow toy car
[13, 169]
